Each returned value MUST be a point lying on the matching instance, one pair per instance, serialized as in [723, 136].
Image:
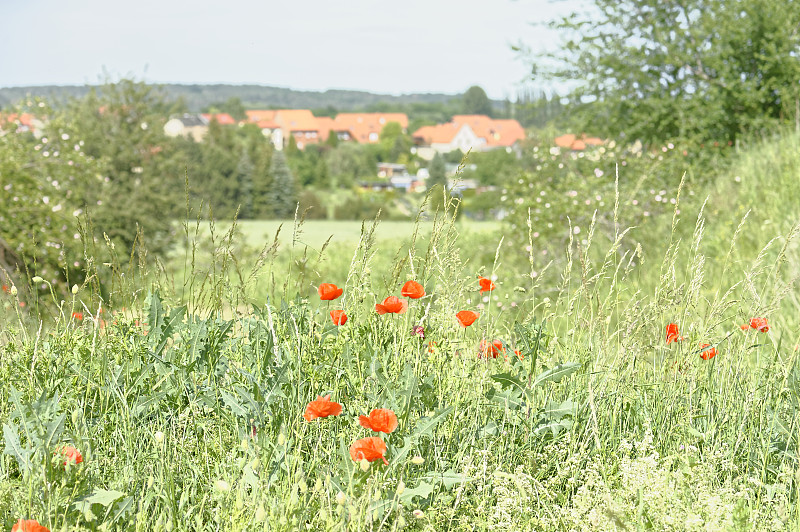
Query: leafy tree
[121, 126]
[350, 162]
[707, 69]
[233, 106]
[476, 102]
[436, 172]
[282, 194]
[393, 142]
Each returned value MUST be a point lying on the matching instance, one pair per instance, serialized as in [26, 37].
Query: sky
[390, 47]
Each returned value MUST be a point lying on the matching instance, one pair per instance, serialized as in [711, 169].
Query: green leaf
[103, 497]
[426, 424]
[423, 490]
[14, 448]
[555, 411]
[232, 402]
[448, 478]
[557, 373]
[507, 380]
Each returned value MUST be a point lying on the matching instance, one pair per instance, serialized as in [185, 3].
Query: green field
[315, 233]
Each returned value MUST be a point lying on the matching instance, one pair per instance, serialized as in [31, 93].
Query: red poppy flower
[490, 349]
[28, 525]
[78, 315]
[467, 317]
[486, 284]
[672, 333]
[418, 330]
[392, 305]
[707, 352]
[71, 455]
[412, 289]
[379, 420]
[338, 317]
[5, 288]
[369, 449]
[322, 407]
[744, 326]
[329, 291]
[431, 347]
[759, 324]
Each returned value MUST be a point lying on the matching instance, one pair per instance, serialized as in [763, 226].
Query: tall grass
[188, 405]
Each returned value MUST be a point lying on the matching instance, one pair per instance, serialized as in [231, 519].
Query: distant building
[366, 128]
[187, 125]
[223, 119]
[21, 123]
[575, 143]
[467, 132]
[391, 169]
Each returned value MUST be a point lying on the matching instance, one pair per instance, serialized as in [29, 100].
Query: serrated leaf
[103, 497]
[426, 425]
[448, 478]
[507, 380]
[557, 373]
[424, 489]
[555, 411]
[553, 427]
[232, 402]
[14, 448]
[54, 430]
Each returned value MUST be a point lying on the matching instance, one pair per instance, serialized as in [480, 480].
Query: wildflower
[418, 460]
[392, 305]
[759, 324]
[672, 333]
[329, 292]
[78, 316]
[159, 436]
[707, 352]
[5, 288]
[431, 347]
[413, 289]
[379, 420]
[487, 349]
[338, 317]
[744, 326]
[71, 454]
[418, 330]
[467, 317]
[419, 514]
[322, 407]
[369, 449]
[486, 284]
[28, 525]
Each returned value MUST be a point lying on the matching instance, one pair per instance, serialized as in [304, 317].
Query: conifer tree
[282, 194]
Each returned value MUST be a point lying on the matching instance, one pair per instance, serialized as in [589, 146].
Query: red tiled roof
[261, 115]
[438, 134]
[296, 120]
[366, 127]
[572, 142]
[223, 119]
[325, 125]
[496, 132]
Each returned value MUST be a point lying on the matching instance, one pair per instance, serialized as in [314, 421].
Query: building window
[373, 137]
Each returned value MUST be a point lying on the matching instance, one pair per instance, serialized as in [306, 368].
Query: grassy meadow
[562, 407]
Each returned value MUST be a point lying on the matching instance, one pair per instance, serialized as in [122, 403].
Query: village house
[467, 132]
[187, 125]
[575, 143]
[366, 128]
[21, 123]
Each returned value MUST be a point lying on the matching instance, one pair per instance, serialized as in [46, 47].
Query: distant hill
[198, 97]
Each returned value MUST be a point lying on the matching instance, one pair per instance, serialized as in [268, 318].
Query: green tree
[282, 194]
[350, 162]
[706, 69]
[476, 102]
[245, 177]
[436, 172]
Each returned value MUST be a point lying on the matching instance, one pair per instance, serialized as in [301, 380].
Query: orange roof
[223, 119]
[496, 132]
[438, 134]
[366, 127]
[24, 119]
[572, 142]
[296, 120]
[325, 124]
[260, 115]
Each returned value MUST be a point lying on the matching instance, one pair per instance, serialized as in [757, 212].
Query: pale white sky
[379, 46]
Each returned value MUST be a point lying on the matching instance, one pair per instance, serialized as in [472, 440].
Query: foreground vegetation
[188, 405]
